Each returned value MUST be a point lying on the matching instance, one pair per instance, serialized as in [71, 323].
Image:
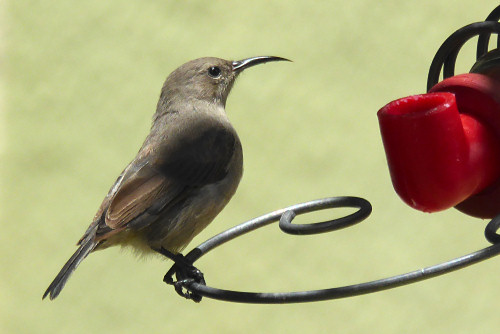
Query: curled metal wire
[446, 56]
[285, 216]
[491, 230]
[484, 39]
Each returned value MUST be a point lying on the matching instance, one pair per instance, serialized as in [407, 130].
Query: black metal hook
[484, 39]
[446, 56]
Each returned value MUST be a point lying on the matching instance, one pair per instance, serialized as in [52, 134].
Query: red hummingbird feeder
[443, 147]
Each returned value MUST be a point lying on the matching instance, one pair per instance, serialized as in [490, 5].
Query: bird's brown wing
[168, 178]
[137, 194]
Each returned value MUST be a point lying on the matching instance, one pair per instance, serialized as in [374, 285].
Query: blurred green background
[80, 82]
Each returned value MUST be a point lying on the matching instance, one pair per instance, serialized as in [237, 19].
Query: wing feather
[164, 177]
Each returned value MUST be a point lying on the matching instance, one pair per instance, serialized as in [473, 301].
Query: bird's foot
[185, 273]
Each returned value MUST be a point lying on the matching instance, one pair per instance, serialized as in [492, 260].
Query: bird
[184, 174]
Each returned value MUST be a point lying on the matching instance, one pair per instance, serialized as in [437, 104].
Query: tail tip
[49, 292]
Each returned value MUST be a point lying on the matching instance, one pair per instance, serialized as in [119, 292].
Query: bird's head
[209, 79]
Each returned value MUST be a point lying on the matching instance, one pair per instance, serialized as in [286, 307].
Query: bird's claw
[186, 275]
[181, 287]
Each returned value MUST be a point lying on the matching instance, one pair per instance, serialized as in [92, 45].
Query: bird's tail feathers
[87, 245]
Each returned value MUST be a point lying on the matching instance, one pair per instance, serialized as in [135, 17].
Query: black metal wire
[198, 290]
[491, 230]
[298, 209]
[349, 290]
[447, 53]
[364, 211]
[446, 56]
[484, 39]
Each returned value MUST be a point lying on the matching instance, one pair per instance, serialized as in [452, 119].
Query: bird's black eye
[214, 72]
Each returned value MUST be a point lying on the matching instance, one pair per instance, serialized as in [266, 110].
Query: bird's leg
[184, 269]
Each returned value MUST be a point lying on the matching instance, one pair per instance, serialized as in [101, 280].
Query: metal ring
[364, 211]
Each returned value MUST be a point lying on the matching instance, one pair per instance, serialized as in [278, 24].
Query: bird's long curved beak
[240, 65]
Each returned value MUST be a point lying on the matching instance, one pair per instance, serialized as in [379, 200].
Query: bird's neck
[168, 108]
